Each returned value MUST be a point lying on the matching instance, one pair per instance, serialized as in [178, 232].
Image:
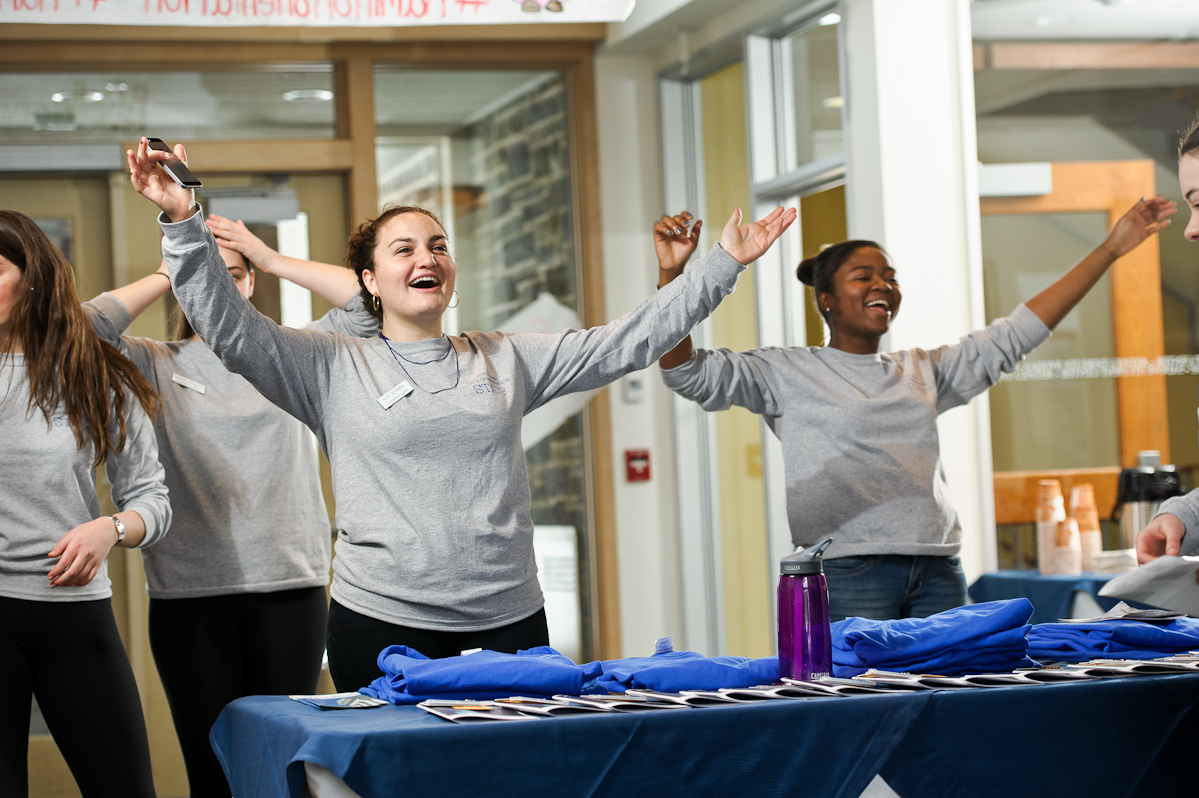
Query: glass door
[1087, 401]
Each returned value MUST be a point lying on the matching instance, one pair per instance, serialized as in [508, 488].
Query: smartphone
[178, 172]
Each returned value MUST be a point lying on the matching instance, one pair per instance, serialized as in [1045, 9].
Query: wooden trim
[582, 31]
[356, 120]
[588, 230]
[1113, 187]
[1095, 55]
[979, 54]
[276, 155]
[1016, 491]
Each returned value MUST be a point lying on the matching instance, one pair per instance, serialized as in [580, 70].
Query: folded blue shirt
[410, 677]
[673, 671]
[978, 638]
[1113, 639]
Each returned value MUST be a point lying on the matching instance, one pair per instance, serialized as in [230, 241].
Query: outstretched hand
[673, 243]
[748, 242]
[237, 237]
[153, 183]
[1142, 220]
[1162, 536]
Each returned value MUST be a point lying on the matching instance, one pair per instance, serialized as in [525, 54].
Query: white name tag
[394, 395]
[179, 379]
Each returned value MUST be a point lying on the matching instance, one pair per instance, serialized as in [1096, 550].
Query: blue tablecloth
[1051, 596]
[1119, 737]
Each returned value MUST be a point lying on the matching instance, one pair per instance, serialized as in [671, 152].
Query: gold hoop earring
[375, 301]
[457, 299]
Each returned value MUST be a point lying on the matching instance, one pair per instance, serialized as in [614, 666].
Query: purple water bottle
[805, 635]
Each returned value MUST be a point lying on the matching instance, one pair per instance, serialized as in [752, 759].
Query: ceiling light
[77, 96]
[308, 95]
[830, 19]
[116, 87]
[833, 102]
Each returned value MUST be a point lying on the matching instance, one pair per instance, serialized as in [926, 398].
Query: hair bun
[807, 271]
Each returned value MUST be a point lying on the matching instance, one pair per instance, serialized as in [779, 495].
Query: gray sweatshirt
[47, 488]
[433, 504]
[244, 477]
[862, 459]
[1186, 508]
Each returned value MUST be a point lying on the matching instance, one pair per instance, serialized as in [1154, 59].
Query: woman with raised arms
[68, 402]
[237, 591]
[859, 427]
[435, 538]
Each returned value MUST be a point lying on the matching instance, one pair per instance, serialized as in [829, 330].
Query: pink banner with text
[317, 13]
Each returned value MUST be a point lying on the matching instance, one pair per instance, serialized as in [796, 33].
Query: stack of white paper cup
[1082, 508]
[1067, 553]
[1051, 511]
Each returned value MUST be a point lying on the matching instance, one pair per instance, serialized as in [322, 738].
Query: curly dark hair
[818, 271]
[360, 249]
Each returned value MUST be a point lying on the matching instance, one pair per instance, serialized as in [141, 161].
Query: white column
[631, 191]
[913, 187]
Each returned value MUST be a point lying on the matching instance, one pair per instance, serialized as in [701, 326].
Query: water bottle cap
[806, 561]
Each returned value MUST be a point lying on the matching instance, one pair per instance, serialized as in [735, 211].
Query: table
[1051, 596]
[1120, 737]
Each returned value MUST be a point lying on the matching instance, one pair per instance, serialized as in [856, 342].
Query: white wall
[646, 524]
[912, 186]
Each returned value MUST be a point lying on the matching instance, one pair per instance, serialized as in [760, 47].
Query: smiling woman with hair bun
[859, 427]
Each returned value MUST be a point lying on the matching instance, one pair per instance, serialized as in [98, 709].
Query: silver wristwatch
[120, 528]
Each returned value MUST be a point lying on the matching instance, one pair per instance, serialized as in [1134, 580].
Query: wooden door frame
[353, 53]
[1111, 187]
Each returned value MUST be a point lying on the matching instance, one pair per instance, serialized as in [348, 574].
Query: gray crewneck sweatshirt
[1186, 509]
[862, 458]
[48, 488]
[433, 504]
[244, 476]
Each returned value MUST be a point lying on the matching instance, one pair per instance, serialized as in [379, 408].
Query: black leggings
[355, 641]
[70, 656]
[213, 650]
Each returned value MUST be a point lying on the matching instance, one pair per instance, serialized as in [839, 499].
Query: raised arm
[335, 284]
[288, 367]
[587, 359]
[674, 245]
[141, 294]
[1143, 220]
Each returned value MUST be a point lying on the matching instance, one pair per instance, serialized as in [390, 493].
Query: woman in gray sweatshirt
[68, 402]
[435, 537]
[861, 454]
[237, 592]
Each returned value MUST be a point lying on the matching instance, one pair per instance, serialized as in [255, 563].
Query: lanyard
[400, 362]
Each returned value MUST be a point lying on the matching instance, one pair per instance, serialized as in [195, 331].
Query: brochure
[620, 702]
[544, 707]
[470, 712]
[1123, 612]
[834, 686]
[690, 698]
[339, 701]
[1167, 582]
[768, 691]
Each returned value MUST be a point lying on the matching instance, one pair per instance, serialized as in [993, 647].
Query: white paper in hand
[1167, 582]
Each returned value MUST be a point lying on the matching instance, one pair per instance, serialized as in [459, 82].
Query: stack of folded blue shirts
[979, 638]
[410, 677]
[1116, 639]
[672, 671]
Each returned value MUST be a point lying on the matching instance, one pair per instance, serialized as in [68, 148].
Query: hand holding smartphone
[175, 167]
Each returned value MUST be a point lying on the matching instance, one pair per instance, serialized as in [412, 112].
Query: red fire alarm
[636, 463]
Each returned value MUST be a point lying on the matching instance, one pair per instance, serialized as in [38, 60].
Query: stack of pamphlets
[339, 701]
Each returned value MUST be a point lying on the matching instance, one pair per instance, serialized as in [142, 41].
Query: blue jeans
[888, 586]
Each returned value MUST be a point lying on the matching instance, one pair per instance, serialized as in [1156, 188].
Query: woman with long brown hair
[68, 402]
